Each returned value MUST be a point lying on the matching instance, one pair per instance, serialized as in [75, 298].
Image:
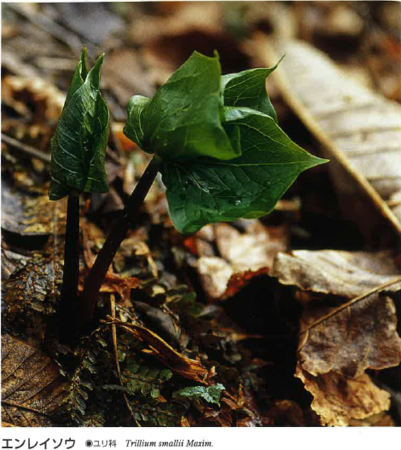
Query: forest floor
[289, 320]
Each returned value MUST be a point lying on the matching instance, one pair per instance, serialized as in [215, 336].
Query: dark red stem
[118, 233]
[69, 290]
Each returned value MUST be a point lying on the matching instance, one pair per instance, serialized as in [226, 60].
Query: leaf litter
[170, 334]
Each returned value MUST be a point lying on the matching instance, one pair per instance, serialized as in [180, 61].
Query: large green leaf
[80, 141]
[183, 119]
[224, 156]
[248, 89]
[206, 190]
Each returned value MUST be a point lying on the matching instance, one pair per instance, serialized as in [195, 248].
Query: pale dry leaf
[243, 255]
[345, 274]
[361, 130]
[363, 336]
[32, 387]
[339, 400]
[382, 419]
[215, 274]
[252, 250]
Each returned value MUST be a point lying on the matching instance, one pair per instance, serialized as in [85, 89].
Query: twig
[350, 303]
[114, 337]
[31, 151]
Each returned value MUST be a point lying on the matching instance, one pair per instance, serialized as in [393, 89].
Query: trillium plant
[215, 141]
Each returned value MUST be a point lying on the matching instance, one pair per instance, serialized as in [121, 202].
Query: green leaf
[210, 394]
[80, 141]
[133, 129]
[206, 190]
[223, 154]
[183, 119]
[248, 89]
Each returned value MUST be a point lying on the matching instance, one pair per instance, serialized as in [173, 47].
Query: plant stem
[118, 233]
[69, 290]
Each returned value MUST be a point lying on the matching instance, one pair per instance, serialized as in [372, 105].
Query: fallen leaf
[244, 256]
[377, 420]
[33, 97]
[32, 387]
[360, 129]
[11, 262]
[339, 400]
[186, 367]
[215, 274]
[121, 285]
[239, 280]
[27, 215]
[346, 274]
[252, 250]
[363, 336]
[30, 291]
[287, 411]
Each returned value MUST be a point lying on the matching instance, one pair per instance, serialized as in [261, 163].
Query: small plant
[218, 146]
[77, 165]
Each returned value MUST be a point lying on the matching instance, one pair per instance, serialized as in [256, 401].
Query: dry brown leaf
[346, 274]
[186, 367]
[215, 274]
[288, 411]
[337, 344]
[244, 256]
[377, 420]
[360, 129]
[32, 387]
[361, 337]
[252, 250]
[28, 215]
[339, 400]
[46, 100]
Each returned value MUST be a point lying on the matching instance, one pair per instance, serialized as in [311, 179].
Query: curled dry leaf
[244, 255]
[21, 93]
[186, 367]
[346, 274]
[338, 344]
[252, 250]
[363, 336]
[339, 400]
[360, 129]
[32, 387]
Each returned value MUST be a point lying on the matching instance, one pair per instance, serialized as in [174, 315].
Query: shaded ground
[207, 329]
